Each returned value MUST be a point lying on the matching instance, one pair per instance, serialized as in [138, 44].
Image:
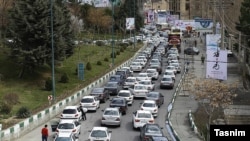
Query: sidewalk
[185, 101]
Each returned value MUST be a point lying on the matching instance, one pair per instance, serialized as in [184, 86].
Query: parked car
[111, 116]
[167, 82]
[156, 96]
[99, 133]
[66, 137]
[191, 51]
[148, 83]
[71, 112]
[117, 78]
[101, 93]
[121, 103]
[139, 90]
[127, 95]
[69, 126]
[151, 106]
[130, 82]
[112, 87]
[142, 117]
[150, 130]
[92, 103]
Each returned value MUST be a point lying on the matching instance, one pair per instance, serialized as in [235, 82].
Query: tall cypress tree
[30, 29]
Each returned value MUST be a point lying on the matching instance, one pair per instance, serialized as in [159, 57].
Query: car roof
[71, 107]
[166, 76]
[145, 80]
[124, 91]
[143, 111]
[67, 121]
[152, 69]
[131, 78]
[112, 108]
[88, 96]
[99, 128]
[122, 98]
[169, 70]
[148, 101]
[64, 134]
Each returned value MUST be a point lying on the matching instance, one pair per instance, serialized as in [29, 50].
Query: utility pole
[112, 1]
[222, 27]
[134, 24]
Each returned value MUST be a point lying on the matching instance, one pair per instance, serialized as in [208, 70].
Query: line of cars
[121, 90]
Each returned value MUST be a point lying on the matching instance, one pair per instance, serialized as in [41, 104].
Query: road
[125, 132]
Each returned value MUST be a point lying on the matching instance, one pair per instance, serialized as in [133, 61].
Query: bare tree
[213, 94]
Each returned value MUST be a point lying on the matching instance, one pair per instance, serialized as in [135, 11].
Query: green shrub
[23, 112]
[111, 55]
[121, 50]
[100, 43]
[64, 78]
[124, 44]
[48, 84]
[88, 66]
[5, 108]
[118, 53]
[106, 59]
[76, 71]
[99, 63]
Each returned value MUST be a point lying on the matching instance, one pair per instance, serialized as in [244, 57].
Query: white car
[92, 103]
[177, 67]
[153, 73]
[148, 83]
[143, 76]
[169, 73]
[127, 95]
[151, 106]
[99, 133]
[135, 66]
[141, 117]
[141, 61]
[71, 112]
[66, 136]
[128, 68]
[69, 126]
[140, 90]
[111, 116]
[130, 82]
[173, 68]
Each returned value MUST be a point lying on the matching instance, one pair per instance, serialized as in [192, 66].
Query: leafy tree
[244, 19]
[5, 5]
[30, 24]
[213, 94]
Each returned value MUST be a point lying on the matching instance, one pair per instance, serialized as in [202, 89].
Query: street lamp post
[112, 2]
[134, 24]
[52, 52]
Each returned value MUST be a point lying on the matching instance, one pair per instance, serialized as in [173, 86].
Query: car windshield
[142, 75]
[97, 90]
[63, 139]
[150, 71]
[139, 88]
[153, 129]
[153, 95]
[117, 101]
[65, 126]
[110, 112]
[111, 84]
[113, 78]
[143, 115]
[170, 68]
[148, 105]
[98, 133]
[130, 80]
[87, 100]
[168, 73]
[166, 79]
[69, 111]
[145, 82]
[123, 94]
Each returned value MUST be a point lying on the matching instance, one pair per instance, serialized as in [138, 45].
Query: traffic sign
[50, 97]
[81, 71]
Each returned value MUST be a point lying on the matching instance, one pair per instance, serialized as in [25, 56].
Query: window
[187, 6]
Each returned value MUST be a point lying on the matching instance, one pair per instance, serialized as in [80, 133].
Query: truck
[174, 38]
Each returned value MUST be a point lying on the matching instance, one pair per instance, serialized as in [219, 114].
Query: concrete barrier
[42, 117]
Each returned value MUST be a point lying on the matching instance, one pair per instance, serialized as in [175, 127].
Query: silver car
[111, 116]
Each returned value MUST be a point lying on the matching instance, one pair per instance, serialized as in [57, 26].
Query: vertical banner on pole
[81, 71]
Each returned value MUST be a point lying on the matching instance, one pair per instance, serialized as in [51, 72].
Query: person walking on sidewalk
[202, 59]
[45, 133]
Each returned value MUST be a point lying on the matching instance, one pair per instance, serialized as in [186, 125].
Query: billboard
[212, 41]
[182, 24]
[130, 23]
[204, 25]
[216, 64]
[162, 17]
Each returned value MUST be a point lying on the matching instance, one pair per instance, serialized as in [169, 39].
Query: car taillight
[107, 140]
[61, 115]
[151, 121]
[118, 119]
[146, 138]
[57, 130]
[130, 98]
[137, 120]
[76, 115]
[93, 104]
[74, 130]
[103, 118]
[100, 95]
[155, 110]
[141, 108]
